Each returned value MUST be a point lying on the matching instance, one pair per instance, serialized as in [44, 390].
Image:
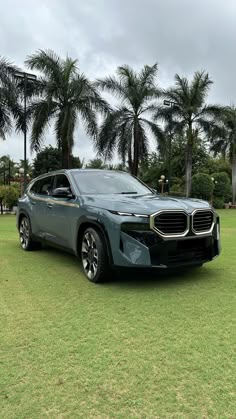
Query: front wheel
[94, 256]
[26, 241]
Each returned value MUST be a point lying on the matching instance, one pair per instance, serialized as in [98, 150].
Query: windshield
[108, 183]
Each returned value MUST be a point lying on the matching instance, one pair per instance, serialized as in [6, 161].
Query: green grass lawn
[146, 347]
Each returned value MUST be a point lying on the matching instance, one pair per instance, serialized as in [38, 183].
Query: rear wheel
[94, 256]
[26, 241]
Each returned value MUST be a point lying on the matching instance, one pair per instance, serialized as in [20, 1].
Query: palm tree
[9, 107]
[223, 139]
[64, 94]
[125, 127]
[190, 111]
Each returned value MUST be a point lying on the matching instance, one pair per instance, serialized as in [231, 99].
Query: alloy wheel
[24, 233]
[89, 253]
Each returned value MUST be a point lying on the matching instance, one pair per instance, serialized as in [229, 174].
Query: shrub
[222, 189]
[202, 186]
[9, 195]
[177, 186]
[218, 202]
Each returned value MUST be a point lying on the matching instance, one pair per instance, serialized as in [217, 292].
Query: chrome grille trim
[207, 231]
[169, 235]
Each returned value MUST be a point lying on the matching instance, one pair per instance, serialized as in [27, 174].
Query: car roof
[61, 171]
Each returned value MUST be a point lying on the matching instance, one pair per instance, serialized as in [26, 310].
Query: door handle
[32, 202]
[49, 205]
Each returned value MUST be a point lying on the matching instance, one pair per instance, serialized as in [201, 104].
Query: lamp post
[25, 77]
[21, 175]
[162, 182]
[214, 183]
[3, 167]
[171, 104]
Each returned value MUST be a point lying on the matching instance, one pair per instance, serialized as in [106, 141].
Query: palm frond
[199, 88]
[5, 120]
[110, 130]
[48, 62]
[124, 139]
[69, 68]
[90, 121]
[205, 125]
[111, 85]
[210, 111]
[127, 75]
[148, 74]
[41, 113]
[155, 129]
[7, 71]
[182, 87]
[81, 89]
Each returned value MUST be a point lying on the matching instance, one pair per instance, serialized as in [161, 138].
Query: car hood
[143, 204]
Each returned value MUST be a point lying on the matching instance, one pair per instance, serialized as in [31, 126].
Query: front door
[39, 194]
[61, 215]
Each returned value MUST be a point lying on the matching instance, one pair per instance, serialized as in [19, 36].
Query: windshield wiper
[126, 193]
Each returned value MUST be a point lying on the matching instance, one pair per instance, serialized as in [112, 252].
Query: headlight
[129, 214]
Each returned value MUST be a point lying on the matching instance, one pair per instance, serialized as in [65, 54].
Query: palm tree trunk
[223, 154]
[234, 174]
[68, 159]
[130, 161]
[136, 148]
[189, 160]
[65, 155]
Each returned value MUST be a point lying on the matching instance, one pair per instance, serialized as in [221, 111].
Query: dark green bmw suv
[111, 219]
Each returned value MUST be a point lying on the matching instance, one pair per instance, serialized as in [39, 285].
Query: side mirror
[62, 193]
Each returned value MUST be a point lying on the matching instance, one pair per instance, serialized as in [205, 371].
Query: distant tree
[126, 127]
[223, 139]
[64, 95]
[222, 187]
[96, 164]
[119, 166]
[190, 111]
[27, 166]
[152, 167]
[219, 164]
[200, 156]
[202, 186]
[49, 159]
[10, 109]
[8, 196]
[8, 168]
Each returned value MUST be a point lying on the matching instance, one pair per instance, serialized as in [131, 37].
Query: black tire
[26, 241]
[94, 256]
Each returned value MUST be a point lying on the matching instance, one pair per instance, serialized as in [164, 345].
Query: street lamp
[3, 166]
[21, 175]
[163, 181]
[21, 75]
[214, 183]
[169, 103]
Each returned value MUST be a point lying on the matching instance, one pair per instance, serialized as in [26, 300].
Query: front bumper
[147, 249]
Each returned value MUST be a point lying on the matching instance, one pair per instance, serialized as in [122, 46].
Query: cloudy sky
[181, 35]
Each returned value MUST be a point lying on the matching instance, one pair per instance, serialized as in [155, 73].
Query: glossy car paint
[59, 222]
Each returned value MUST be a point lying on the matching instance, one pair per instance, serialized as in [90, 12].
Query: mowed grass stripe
[145, 346]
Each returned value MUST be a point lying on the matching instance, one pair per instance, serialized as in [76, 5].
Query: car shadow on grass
[142, 278]
[161, 278]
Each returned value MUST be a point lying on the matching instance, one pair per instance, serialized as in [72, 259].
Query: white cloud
[182, 36]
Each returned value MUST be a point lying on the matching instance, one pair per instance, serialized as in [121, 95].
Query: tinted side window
[61, 181]
[45, 187]
[35, 187]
